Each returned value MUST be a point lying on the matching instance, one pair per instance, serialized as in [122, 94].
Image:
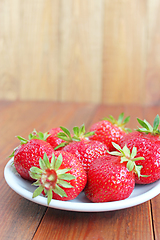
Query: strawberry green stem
[79, 134]
[147, 128]
[128, 157]
[50, 178]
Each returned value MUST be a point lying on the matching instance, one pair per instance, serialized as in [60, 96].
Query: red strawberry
[52, 138]
[110, 130]
[61, 176]
[83, 148]
[28, 153]
[147, 141]
[112, 178]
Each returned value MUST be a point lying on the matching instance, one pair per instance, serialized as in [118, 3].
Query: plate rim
[80, 207]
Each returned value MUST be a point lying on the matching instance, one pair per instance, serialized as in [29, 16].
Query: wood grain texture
[81, 50]
[152, 77]
[150, 114]
[124, 51]
[98, 51]
[123, 224]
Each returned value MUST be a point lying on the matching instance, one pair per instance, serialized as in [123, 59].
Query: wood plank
[123, 224]
[19, 218]
[81, 50]
[150, 113]
[156, 218]
[100, 51]
[152, 82]
[134, 111]
[50, 48]
[124, 58]
[29, 48]
[40, 66]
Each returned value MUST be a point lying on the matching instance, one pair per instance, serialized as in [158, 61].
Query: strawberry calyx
[147, 128]
[38, 135]
[33, 135]
[22, 141]
[79, 134]
[120, 122]
[49, 177]
[129, 157]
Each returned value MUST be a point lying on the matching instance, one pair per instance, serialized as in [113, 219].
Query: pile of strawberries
[105, 162]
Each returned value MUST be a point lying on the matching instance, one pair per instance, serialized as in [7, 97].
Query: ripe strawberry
[110, 130]
[147, 141]
[61, 177]
[83, 148]
[28, 153]
[112, 178]
[52, 137]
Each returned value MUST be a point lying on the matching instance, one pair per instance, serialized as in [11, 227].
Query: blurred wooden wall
[101, 51]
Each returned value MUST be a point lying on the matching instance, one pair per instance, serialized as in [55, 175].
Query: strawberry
[110, 130]
[60, 177]
[83, 148]
[147, 141]
[52, 137]
[112, 178]
[28, 153]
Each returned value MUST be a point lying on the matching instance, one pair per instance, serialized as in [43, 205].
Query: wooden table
[23, 219]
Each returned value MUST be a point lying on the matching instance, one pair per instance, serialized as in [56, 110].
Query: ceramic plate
[140, 194]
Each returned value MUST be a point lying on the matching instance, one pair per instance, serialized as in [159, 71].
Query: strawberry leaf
[58, 190]
[64, 184]
[58, 162]
[49, 196]
[82, 130]
[147, 128]
[46, 160]
[120, 118]
[117, 146]
[62, 171]
[49, 180]
[127, 156]
[66, 131]
[143, 124]
[60, 145]
[42, 164]
[66, 176]
[134, 152]
[41, 136]
[115, 153]
[38, 191]
[156, 123]
[120, 122]
[76, 131]
[126, 120]
[126, 151]
[53, 160]
[22, 140]
[130, 165]
[89, 134]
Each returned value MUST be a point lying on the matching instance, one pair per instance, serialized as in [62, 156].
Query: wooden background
[100, 51]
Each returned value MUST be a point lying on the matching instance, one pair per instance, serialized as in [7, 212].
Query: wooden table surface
[23, 219]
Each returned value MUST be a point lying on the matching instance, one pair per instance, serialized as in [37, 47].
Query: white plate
[140, 194]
